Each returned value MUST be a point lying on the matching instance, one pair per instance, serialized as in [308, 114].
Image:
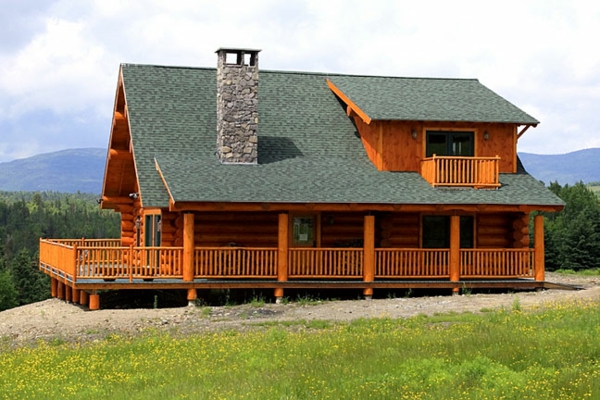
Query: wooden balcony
[475, 172]
[85, 262]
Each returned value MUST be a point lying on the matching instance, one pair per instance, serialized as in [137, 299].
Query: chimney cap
[236, 50]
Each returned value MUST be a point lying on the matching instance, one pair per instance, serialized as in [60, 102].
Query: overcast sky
[59, 59]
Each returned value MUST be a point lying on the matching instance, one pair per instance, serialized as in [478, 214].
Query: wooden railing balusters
[478, 172]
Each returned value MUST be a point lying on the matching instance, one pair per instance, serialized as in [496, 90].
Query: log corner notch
[352, 108]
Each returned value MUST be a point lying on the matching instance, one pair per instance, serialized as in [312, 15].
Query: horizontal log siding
[325, 263]
[496, 263]
[412, 263]
[235, 262]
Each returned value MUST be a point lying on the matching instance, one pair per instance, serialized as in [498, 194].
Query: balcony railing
[71, 261]
[476, 172]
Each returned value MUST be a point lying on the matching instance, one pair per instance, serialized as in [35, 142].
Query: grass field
[550, 353]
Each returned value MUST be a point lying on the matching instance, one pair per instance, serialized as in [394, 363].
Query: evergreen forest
[25, 217]
[572, 236]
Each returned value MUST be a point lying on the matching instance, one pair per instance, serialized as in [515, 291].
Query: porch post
[455, 250]
[538, 243]
[369, 254]
[188, 253]
[282, 254]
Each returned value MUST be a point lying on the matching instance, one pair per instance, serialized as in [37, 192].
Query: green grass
[583, 272]
[549, 353]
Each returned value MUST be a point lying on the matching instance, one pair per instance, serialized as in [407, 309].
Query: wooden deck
[91, 265]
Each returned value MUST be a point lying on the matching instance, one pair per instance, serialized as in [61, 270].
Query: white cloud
[537, 54]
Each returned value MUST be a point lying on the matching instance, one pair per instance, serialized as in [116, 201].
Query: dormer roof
[428, 99]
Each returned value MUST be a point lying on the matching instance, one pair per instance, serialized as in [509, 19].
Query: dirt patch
[57, 320]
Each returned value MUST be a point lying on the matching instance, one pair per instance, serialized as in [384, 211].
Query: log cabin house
[308, 180]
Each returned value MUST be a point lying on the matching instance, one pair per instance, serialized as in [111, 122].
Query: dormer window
[450, 143]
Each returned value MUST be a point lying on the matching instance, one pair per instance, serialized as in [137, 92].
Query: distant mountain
[66, 171]
[582, 165]
[82, 170]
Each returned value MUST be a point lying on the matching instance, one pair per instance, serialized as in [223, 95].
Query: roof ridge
[295, 72]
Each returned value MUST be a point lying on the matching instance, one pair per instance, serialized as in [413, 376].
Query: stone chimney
[237, 106]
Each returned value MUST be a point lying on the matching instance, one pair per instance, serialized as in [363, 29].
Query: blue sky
[60, 58]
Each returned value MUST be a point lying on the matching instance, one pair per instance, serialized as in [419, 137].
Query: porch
[81, 267]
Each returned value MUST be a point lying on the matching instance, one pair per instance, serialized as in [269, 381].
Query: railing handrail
[436, 157]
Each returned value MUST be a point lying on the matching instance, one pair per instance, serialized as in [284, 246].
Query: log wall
[128, 215]
[509, 230]
[400, 230]
[391, 147]
[236, 229]
[342, 229]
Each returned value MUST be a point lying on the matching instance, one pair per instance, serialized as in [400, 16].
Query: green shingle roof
[429, 99]
[309, 150]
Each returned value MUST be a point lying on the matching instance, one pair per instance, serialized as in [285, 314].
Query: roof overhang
[183, 206]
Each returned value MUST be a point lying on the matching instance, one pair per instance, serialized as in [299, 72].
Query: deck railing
[88, 242]
[73, 262]
[411, 263]
[129, 262]
[238, 262]
[59, 257]
[477, 172]
[325, 262]
[497, 263]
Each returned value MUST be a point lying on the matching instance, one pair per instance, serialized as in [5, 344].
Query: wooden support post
[68, 294]
[188, 247]
[282, 254]
[83, 298]
[455, 250]
[192, 295]
[538, 243]
[53, 287]
[75, 295]
[369, 254]
[94, 301]
[60, 290]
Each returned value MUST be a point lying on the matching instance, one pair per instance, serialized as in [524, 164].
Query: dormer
[454, 132]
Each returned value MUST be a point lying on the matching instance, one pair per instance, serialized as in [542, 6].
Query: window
[303, 231]
[152, 230]
[436, 232]
[450, 143]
